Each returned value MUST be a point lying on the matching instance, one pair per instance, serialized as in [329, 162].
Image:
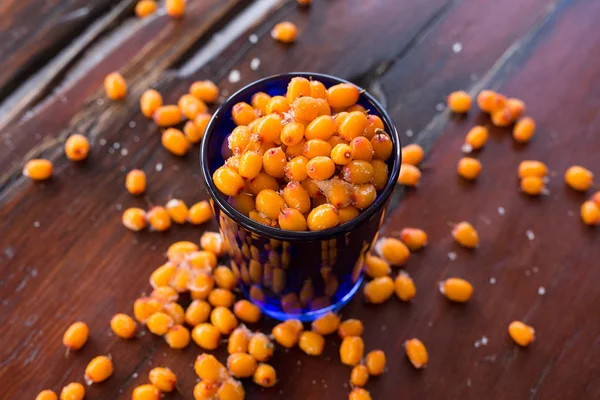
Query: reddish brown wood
[65, 255]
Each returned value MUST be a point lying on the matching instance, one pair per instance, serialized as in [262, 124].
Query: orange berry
[352, 126]
[200, 213]
[490, 101]
[382, 145]
[247, 311]
[596, 198]
[241, 365]
[163, 378]
[175, 8]
[416, 353]
[244, 203]
[197, 312]
[379, 290]
[115, 86]
[159, 323]
[359, 376]
[590, 213]
[265, 375]
[342, 154]
[46, 395]
[206, 390]
[342, 95]
[533, 185]
[456, 289]
[305, 109]
[73, 391]
[38, 169]
[312, 343]
[347, 213]
[260, 347]
[459, 102]
[318, 90]
[175, 141]
[178, 337]
[359, 394]
[412, 154]
[165, 116]
[278, 104]
[392, 250]
[291, 219]
[320, 168]
[98, 370]
[362, 149]
[206, 336]
[376, 267]
[375, 361]
[123, 326]
[579, 178]
[269, 203]
[228, 181]
[323, 217]
[409, 175]
[469, 168]
[358, 172]
[134, 219]
[238, 340]
[287, 333]
[350, 327]
[151, 100]
[269, 128]
[144, 307]
[159, 219]
[205, 91]
[363, 196]
[373, 123]
[194, 130]
[243, 113]
[516, 107]
[465, 235]
[260, 101]
[475, 139]
[413, 238]
[77, 147]
[298, 87]
[221, 298]
[532, 168]
[284, 32]
[380, 174]
[75, 336]
[135, 182]
[521, 333]
[524, 130]
[351, 350]
[502, 117]
[321, 127]
[223, 319]
[209, 369]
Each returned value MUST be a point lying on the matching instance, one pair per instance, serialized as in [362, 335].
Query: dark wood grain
[66, 257]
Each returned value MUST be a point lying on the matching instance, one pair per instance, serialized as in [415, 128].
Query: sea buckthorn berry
[353, 125]
[265, 375]
[246, 311]
[305, 109]
[380, 174]
[409, 175]
[292, 133]
[359, 376]
[221, 298]
[362, 149]
[312, 188]
[175, 8]
[175, 141]
[318, 90]
[521, 333]
[393, 251]
[77, 147]
[163, 378]
[182, 280]
[502, 117]
[223, 319]
[413, 238]
[224, 277]
[516, 107]
[238, 340]
[123, 326]
[165, 116]
[273, 162]
[579, 178]
[356, 107]
[379, 290]
[323, 217]
[382, 145]
[262, 219]
[363, 196]
[146, 392]
[134, 219]
[459, 101]
[351, 350]
[202, 260]
[321, 127]
[596, 198]
[320, 168]
[178, 337]
[358, 172]
[260, 347]
[324, 108]
[228, 181]
[298, 87]
[159, 323]
[312, 343]
[315, 148]
[278, 104]
[416, 353]
[73, 391]
[339, 193]
[243, 113]
[342, 154]
[475, 139]
[412, 154]
[465, 235]
[98, 370]
[326, 324]
[373, 123]
[209, 369]
[197, 312]
[175, 311]
[404, 287]
[250, 165]
[284, 32]
[244, 203]
[75, 336]
[159, 219]
[456, 289]
[347, 213]
[262, 182]
[200, 213]
[241, 365]
[286, 334]
[164, 294]
[269, 128]
[359, 394]
[38, 169]
[269, 203]
[135, 182]
[151, 100]
[295, 169]
[590, 213]
[490, 101]
[238, 139]
[191, 107]
[376, 267]
[205, 91]
[205, 390]
[532, 168]
[231, 390]
[469, 168]
[115, 86]
[375, 361]
[259, 101]
[291, 219]
[194, 130]
[206, 336]
[524, 130]
[296, 196]
[177, 210]
[144, 307]
[533, 185]
[295, 150]
[145, 8]
[342, 95]
[46, 395]
[350, 327]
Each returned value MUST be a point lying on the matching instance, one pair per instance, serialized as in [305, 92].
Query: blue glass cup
[289, 274]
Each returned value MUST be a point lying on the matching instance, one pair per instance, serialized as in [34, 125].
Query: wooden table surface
[64, 255]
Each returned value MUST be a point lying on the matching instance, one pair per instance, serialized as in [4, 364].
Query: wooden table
[65, 255]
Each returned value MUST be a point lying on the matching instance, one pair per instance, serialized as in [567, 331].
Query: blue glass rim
[280, 234]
